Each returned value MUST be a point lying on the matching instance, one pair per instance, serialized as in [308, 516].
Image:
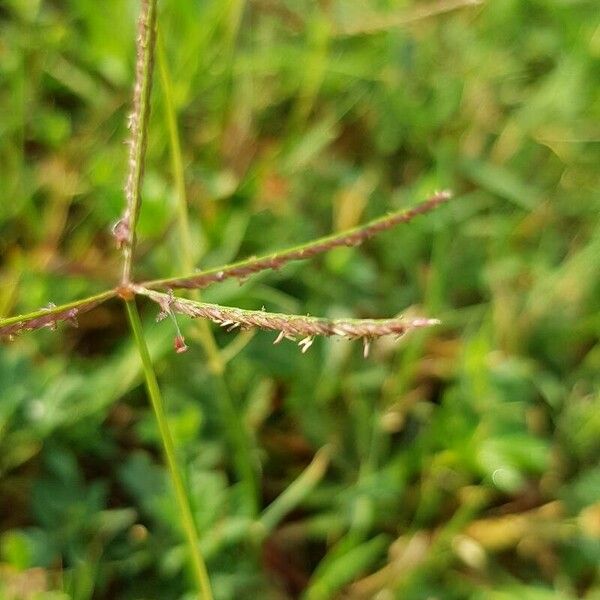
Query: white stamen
[366, 347]
[306, 343]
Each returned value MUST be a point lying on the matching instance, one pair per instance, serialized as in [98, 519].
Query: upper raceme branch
[353, 237]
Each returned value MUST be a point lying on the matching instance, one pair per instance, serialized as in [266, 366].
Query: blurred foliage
[463, 462]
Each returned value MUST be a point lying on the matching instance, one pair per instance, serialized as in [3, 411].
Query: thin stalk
[176, 156]
[230, 416]
[187, 519]
[232, 13]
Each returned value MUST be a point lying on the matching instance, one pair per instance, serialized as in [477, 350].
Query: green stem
[236, 433]
[176, 156]
[187, 519]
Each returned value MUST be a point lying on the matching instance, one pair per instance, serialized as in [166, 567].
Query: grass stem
[235, 430]
[187, 519]
[176, 155]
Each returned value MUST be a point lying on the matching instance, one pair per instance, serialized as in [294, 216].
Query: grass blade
[296, 491]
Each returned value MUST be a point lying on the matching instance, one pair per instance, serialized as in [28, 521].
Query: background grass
[458, 463]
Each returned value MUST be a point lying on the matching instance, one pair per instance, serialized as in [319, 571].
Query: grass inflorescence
[459, 461]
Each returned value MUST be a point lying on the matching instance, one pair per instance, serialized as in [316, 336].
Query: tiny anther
[305, 344]
[179, 344]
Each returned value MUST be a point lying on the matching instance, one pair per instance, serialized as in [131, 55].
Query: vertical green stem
[176, 156]
[187, 519]
[233, 424]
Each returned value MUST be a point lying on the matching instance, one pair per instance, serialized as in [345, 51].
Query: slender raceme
[50, 315]
[288, 326]
[353, 237]
[124, 229]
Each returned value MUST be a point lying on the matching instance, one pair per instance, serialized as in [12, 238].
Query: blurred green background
[458, 463]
